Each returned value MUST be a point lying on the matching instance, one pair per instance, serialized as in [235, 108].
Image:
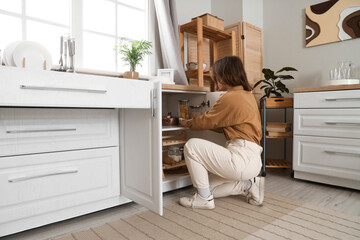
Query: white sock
[204, 192]
[247, 185]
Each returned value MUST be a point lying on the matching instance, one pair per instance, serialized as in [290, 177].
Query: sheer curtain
[169, 38]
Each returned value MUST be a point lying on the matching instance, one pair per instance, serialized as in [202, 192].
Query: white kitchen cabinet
[170, 99]
[327, 136]
[72, 144]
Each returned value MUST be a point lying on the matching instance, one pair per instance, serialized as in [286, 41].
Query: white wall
[187, 9]
[228, 10]
[253, 12]
[284, 44]
[231, 11]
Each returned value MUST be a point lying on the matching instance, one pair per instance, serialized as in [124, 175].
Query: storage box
[212, 21]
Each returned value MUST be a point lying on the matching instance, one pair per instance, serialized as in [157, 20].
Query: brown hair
[230, 70]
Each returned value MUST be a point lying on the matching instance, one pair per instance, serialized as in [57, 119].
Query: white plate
[34, 53]
[8, 54]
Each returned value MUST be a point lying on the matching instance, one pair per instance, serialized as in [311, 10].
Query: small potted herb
[272, 83]
[133, 52]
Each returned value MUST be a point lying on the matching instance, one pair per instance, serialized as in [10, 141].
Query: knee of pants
[190, 144]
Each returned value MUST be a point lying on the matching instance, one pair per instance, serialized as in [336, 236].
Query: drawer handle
[63, 89]
[346, 123]
[342, 153]
[340, 99]
[41, 130]
[52, 172]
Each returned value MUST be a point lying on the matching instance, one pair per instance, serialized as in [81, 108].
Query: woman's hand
[183, 122]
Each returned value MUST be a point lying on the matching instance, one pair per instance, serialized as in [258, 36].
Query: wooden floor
[277, 181]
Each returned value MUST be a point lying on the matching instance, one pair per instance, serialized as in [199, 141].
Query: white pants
[228, 167]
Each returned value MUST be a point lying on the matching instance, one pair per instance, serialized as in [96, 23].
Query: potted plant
[272, 83]
[133, 52]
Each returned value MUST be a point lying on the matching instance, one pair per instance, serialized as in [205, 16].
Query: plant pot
[131, 75]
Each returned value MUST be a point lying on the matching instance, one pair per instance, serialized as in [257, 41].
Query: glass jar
[195, 111]
[183, 109]
[174, 153]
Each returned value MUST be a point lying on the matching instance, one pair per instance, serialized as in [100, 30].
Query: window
[96, 25]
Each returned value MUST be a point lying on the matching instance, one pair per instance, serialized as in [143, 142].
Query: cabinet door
[140, 151]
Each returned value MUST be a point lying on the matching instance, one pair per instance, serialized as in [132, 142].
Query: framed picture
[166, 73]
[332, 21]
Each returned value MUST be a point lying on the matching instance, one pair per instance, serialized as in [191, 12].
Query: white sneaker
[255, 195]
[197, 201]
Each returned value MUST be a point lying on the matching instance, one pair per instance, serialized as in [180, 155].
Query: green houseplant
[133, 52]
[272, 83]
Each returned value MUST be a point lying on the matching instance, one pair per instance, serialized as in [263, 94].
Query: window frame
[77, 30]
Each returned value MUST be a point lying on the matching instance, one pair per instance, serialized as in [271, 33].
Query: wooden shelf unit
[197, 27]
[274, 103]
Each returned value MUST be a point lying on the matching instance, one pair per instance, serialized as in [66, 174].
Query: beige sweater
[235, 114]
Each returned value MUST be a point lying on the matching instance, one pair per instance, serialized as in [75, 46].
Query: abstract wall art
[332, 21]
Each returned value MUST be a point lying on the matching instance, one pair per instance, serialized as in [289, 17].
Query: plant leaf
[257, 83]
[268, 74]
[287, 69]
[285, 77]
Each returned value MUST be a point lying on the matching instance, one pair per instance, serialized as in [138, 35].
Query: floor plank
[278, 181]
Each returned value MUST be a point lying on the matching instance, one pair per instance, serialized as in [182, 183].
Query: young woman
[218, 171]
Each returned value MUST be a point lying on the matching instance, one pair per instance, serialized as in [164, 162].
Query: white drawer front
[35, 184]
[24, 87]
[328, 99]
[35, 130]
[327, 122]
[334, 157]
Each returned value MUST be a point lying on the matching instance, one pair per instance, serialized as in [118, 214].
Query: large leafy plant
[133, 51]
[272, 83]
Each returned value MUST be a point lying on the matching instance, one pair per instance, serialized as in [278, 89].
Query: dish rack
[169, 165]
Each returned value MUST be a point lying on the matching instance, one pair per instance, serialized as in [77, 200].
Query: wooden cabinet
[327, 136]
[249, 48]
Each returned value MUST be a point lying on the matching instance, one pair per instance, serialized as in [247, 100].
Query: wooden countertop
[327, 88]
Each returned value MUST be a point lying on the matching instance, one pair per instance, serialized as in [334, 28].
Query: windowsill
[118, 74]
